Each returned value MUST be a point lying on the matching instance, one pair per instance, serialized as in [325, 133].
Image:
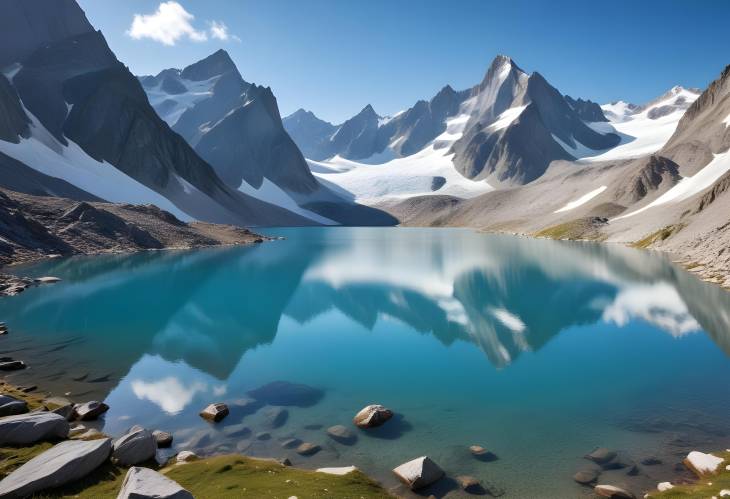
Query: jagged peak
[367, 112]
[217, 63]
[500, 68]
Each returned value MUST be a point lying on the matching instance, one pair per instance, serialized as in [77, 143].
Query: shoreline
[204, 476]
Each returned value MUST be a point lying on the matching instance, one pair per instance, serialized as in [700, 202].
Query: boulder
[12, 365]
[10, 406]
[340, 434]
[586, 477]
[90, 411]
[372, 416]
[470, 484]
[418, 473]
[144, 483]
[287, 394]
[163, 438]
[285, 462]
[24, 429]
[61, 464]
[662, 486]
[601, 455]
[702, 464]
[342, 470]
[276, 417]
[308, 449]
[215, 412]
[186, 456]
[137, 446]
[613, 492]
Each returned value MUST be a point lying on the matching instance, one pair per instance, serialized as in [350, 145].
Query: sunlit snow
[582, 200]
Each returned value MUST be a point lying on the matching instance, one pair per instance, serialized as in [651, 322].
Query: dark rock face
[63, 62]
[356, 137]
[587, 110]
[84, 217]
[701, 131]
[656, 173]
[13, 120]
[27, 24]
[238, 129]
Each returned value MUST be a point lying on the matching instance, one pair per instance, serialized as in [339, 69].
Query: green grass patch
[701, 489]
[658, 236]
[233, 476]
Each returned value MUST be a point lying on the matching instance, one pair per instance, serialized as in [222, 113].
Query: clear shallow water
[537, 350]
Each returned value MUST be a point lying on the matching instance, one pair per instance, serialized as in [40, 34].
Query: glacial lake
[538, 350]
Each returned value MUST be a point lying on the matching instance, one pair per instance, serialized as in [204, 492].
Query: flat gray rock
[10, 406]
[59, 465]
[144, 483]
[163, 438]
[137, 446]
[26, 429]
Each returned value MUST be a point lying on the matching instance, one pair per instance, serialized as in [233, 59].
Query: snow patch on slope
[42, 152]
[196, 92]
[640, 134]
[690, 186]
[581, 200]
[506, 118]
[271, 193]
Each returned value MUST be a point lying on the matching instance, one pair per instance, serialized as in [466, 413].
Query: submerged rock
[418, 473]
[287, 394]
[237, 430]
[89, 411]
[481, 453]
[264, 435]
[24, 429]
[291, 443]
[613, 492]
[59, 465]
[371, 416]
[10, 406]
[308, 449]
[470, 484]
[137, 446]
[586, 477]
[276, 417]
[163, 438]
[215, 412]
[601, 455]
[341, 434]
[12, 365]
[651, 461]
[144, 483]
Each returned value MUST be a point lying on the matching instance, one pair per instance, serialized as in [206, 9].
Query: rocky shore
[51, 446]
[37, 227]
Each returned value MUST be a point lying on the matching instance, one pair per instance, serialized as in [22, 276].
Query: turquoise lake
[538, 350]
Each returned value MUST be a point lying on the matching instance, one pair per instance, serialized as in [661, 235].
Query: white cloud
[171, 22]
[219, 30]
[167, 25]
[168, 393]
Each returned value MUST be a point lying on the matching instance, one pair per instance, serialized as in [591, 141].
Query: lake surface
[538, 350]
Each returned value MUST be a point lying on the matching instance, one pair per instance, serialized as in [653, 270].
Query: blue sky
[335, 56]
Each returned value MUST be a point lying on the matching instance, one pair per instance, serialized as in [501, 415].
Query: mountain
[235, 126]
[675, 197]
[310, 133]
[506, 130]
[74, 113]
